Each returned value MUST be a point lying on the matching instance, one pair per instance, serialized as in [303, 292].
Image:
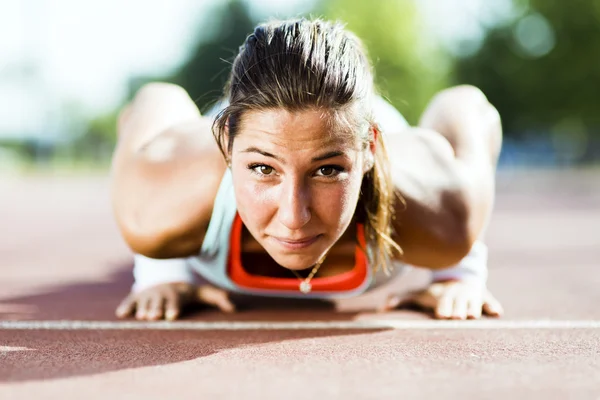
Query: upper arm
[430, 225]
[163, 193]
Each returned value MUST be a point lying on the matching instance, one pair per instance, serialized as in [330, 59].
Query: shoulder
[389, 119]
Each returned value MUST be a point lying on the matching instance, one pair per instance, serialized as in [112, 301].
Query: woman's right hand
[168, 299]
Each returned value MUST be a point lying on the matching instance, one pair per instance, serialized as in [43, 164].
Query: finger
[126, 308]
[459, 308]
[155, 307]
[172, 306]
[390, 303]
[491, 306]
[142, 308]
[422, 299]
[444, 308]
[474, 309]
[216, 297]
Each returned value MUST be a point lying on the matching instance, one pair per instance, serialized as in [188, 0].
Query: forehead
[293, 129]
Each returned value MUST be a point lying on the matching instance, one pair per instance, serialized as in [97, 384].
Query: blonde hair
[301, 64]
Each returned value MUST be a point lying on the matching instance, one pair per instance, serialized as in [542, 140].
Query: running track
[64, 268]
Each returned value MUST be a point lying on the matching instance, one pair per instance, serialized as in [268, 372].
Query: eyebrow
[326, 156]
[262, 152]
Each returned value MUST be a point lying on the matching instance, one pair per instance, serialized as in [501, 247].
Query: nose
[294, 204]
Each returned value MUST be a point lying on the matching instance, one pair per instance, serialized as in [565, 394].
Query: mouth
[296, 244]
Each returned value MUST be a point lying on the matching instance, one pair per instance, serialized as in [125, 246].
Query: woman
[313, 183]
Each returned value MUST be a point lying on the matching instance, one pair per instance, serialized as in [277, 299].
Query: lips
[295, 244]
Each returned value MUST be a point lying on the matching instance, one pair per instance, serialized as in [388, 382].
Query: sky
[49, 47]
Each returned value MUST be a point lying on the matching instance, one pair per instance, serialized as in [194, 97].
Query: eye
[265, 169]
[329, 170]
[326, 171]
[262, 169]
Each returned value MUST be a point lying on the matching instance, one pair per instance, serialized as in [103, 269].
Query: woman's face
[296, 183]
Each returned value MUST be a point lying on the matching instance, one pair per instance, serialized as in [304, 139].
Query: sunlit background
[67, 66]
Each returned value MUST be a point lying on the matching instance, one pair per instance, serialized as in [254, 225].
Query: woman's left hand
[452, 300]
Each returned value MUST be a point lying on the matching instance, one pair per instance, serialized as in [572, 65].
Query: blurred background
[68, 66]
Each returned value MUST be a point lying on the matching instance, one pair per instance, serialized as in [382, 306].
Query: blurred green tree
[206, 71]
[97, 140]
[541, 69]
[409, 65]
[203, 74]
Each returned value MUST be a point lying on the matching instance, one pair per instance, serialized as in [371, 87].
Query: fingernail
[171, 315]
[393, 302]
[229, 308]
[495, 311]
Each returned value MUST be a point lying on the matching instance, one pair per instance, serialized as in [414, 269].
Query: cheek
[336, 205]
[254, 203]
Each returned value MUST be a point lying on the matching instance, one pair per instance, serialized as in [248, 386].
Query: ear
[370, 154]
[226, 148]
[374, 136]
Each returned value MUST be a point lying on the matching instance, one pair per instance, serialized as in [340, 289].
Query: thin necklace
[305, 286]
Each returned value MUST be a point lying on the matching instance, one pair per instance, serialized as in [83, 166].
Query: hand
[451, 300]
[167, 300]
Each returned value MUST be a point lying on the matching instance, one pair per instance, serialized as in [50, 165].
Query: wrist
[150, 272]
[472, 268]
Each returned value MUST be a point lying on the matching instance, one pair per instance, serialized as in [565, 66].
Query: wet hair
[305, 64]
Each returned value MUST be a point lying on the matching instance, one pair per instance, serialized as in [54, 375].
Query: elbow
[159, 242]
[143, 240]
[455, 246]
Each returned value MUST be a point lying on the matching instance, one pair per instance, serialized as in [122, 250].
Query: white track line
[300, 325]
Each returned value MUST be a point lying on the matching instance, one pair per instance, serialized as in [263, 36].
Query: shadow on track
[50, 354]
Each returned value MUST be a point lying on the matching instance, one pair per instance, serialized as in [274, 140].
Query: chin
[295, 258]
[296, 262]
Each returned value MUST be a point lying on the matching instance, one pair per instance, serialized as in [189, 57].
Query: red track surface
[62, 259]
